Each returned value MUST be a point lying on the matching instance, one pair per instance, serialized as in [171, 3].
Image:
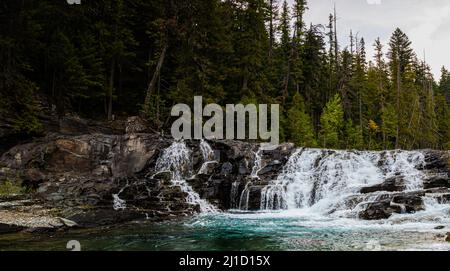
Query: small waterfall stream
[208, 156]
[177, 159]
[245, 195]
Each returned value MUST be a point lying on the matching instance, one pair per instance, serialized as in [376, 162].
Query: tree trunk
[155, 78]
[271, 30]
[111, 88]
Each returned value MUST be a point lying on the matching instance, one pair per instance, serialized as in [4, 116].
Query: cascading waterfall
[245, 196]
[322, 179]
[257, 166]
[234, 195]
[118, 203]
[177, 159]
[208, 156]
[207, 151]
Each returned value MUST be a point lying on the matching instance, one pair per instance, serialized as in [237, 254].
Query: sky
[426, 22]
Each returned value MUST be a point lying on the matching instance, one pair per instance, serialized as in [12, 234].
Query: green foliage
[299, 127]
[353, 136]
[97, 59]
[8, 187]
[331, 123]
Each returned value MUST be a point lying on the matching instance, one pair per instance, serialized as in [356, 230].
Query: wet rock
[101, 217]
[394, 184]
[68, 223]
[8, 228]
[164, 176]
[387, 205]
[379, 210]
[436, 159]
[441, 195]
[208, 168]
[439, 227]
[254, 201]
[227, 169]
[436, 182]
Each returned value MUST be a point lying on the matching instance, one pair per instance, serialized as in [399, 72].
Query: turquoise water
[239, 231]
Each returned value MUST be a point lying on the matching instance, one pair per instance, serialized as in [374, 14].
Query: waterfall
[323, 179]
[118, 203]
[405, 163]
[178, 159]
[234, 195]
[245, 197]
[257, 164]
[207, 151]
[208, 156]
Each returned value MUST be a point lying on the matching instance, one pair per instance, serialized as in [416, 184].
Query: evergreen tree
[299, 124]
[331, 123]
[400, 58]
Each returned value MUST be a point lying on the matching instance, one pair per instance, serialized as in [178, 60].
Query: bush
[8, 187]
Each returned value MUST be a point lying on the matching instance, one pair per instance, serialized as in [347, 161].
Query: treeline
[108, 58]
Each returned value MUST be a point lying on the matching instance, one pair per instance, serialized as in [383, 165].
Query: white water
[208, 156]
[118, 203]
[207, 151]
[177, 159]
[257, 164]
[322, 180]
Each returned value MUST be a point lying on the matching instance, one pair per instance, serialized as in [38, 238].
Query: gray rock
[394, 184]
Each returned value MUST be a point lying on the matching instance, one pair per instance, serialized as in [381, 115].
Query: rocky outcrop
[95, 179]
[392, 196]
[388, 204]
[393, 184]
[77, 176]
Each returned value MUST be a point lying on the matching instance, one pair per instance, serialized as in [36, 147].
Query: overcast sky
[426, 22]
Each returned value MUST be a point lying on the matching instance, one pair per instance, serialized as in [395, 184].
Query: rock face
[99, 179]
[83, 177]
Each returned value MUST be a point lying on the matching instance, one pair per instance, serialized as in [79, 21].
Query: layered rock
[98, 179]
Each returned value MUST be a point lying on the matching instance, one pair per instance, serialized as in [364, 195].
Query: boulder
[388, 204]
[394, 184]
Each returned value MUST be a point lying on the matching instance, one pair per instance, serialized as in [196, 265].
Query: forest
[108, 59]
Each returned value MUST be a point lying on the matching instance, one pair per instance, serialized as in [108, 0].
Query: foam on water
[320, 184]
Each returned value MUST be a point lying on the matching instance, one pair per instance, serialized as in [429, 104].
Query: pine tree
[400, 58]
[300, 128]
[285, 49]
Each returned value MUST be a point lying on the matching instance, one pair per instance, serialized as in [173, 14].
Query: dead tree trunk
[154, 80]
